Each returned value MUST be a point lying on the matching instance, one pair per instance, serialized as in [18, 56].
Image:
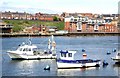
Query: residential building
[45, 17]
[48, 29]
[15, 15]
[86, 24]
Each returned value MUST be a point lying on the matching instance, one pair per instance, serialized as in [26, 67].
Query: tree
[55, 18]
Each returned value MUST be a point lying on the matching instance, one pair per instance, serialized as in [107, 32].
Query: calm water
[96, 47]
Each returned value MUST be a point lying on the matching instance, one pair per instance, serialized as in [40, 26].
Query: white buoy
[47, 67]
[114, 50]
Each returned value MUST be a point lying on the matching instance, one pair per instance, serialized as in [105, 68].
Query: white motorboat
[66, 60]
[117, 57]
[30, 51]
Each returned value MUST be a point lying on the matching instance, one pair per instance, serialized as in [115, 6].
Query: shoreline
[67, 34]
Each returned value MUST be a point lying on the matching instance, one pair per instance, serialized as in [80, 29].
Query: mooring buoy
[47, 67]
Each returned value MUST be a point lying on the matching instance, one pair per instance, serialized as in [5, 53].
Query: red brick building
[45, 17]
[83, 24]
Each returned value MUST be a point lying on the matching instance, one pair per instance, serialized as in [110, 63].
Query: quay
[56, 34]
[95, 33]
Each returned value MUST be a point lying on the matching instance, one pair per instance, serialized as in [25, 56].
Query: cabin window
[20, 49]
[118, 54]
[69, 54]
[29, 49]
[63, 55]
[25, 49]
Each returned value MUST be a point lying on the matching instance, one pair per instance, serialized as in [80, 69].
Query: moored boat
[30, 51]
[116, 58]
[66, 60]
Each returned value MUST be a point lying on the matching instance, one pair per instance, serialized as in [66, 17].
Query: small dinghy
[116, 58]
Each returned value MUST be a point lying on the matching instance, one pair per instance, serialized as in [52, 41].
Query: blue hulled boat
[66, 60]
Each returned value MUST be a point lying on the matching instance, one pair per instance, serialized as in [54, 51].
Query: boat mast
[49, 44]
[29, 39]
[53, 45]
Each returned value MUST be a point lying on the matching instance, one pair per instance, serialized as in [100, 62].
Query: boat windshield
[27, 49]
[20, 49]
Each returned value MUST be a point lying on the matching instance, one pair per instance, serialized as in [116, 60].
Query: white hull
[24, 56]
[75, 65]
[116, 59]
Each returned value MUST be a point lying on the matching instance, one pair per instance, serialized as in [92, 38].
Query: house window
[69, 54]
[95, 27]
[79, 26]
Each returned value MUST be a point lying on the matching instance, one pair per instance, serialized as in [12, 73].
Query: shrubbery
[19, 25]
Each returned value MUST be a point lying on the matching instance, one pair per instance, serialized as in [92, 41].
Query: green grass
[24, 23]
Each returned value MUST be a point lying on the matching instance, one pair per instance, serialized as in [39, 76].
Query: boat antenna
[53, 44]
[29, 39]
[52, 38]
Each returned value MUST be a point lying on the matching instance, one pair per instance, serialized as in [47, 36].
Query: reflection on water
[30, 67]
[76, 71]
[96, 48]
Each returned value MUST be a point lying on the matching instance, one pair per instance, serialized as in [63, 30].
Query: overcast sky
[59, 6]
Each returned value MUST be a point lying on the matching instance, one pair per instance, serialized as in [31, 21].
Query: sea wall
[68, 34]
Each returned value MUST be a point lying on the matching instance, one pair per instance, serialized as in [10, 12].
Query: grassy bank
[20, 24]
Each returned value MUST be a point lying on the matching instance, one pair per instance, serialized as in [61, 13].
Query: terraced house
[94, 23]
[15, 15]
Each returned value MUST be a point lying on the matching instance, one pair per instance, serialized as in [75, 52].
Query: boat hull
[63, 65]
[117, 60]
[15, 56]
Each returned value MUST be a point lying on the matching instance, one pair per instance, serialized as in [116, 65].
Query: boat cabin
[28, 49]
[118, 56]
[67, 54]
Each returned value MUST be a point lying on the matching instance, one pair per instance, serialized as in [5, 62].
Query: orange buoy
[84, 54]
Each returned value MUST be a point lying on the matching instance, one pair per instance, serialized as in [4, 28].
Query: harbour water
[96, 48]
